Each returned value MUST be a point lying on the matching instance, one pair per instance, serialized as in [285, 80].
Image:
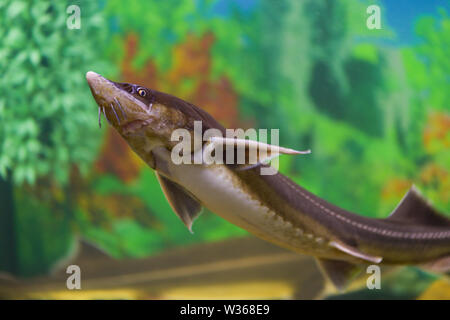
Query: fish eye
[142, 92]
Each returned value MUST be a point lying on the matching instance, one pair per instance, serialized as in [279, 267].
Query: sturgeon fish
[272, 207]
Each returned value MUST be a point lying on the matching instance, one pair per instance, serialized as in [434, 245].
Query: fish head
[146, 118]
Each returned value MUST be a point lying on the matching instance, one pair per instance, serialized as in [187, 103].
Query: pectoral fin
[182, 202]
[249, 154]
[340, 273]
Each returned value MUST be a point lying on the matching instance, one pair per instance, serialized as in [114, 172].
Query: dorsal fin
[414, 209]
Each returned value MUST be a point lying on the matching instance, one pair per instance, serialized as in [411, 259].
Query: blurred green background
[373, 105]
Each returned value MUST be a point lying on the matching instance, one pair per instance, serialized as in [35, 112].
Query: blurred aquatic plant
[45, 110]
[46, 114]
[427, 75]
[160, 25]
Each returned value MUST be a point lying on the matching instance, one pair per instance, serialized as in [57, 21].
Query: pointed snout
[101, 87]
[94, 79]
[103, 92]
[91, 75]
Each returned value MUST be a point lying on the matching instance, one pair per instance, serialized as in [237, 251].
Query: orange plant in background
[431, 175]
[437, 178]
[117, 158]
[145, 75]
[436, 140]
[100, 209]
[188, 78]
[436, 135]
[395, 189]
